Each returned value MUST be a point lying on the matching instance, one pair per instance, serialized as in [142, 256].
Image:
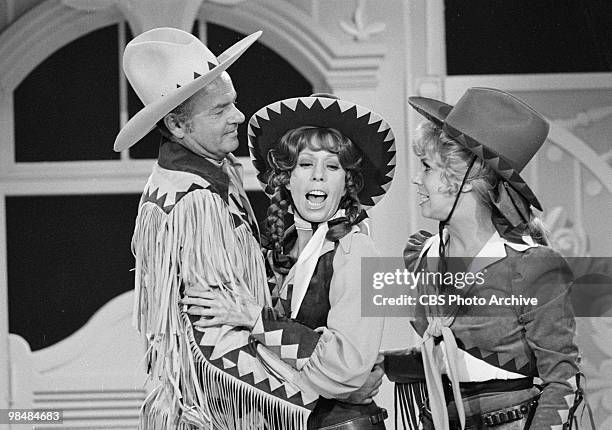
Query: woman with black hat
[322, 160]
[480, 359]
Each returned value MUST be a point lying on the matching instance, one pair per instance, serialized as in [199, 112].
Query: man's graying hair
[184, 111]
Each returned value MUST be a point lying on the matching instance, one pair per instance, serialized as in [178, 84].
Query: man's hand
[220, 307]
[370, 387]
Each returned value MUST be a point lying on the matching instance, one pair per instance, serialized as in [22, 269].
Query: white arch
[39, 33]
[327, 62]
[579, 150]
[308, 46]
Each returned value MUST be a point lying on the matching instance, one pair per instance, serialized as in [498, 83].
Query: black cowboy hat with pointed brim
[365, 128]
[497, 127]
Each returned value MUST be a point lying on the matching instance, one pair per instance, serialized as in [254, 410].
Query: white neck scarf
[308, 258]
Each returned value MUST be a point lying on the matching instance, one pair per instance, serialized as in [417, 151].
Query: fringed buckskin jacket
[195, 228]
[513, 341]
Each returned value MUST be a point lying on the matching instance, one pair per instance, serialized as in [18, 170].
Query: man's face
[213, 129]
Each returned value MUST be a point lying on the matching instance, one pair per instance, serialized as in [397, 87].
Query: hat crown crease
[162, 66]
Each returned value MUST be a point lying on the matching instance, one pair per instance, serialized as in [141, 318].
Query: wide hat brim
[437, 112]
[143, 122]
[365, 128]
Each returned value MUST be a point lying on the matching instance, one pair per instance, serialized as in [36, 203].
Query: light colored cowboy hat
[497, 127]
[365, 128]
[166, 66]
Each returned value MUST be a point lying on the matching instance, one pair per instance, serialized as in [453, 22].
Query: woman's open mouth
[315, 199]
[423, 198]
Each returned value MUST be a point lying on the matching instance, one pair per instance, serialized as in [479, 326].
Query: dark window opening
[67, 108]
[67, 257]
[523, 36]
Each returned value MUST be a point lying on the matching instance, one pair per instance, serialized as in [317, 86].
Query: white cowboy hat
[166, 66]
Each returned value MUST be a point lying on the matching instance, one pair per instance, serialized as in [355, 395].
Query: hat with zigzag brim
[365, 128]
[497, 127]
[166, 66]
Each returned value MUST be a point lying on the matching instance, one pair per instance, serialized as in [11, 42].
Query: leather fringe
[408, 400]
[197, 244]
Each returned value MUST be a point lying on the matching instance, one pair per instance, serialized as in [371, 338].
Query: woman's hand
[219, 307]
[370, 387]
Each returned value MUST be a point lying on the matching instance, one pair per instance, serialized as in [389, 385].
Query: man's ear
[175, 126]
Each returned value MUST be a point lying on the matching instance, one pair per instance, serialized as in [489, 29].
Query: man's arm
[338, 361]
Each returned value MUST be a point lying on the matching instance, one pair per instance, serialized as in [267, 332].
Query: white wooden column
[6, 158]
[4, 329]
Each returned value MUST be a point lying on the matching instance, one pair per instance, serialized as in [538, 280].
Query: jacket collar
[174, 156]
[493, 250]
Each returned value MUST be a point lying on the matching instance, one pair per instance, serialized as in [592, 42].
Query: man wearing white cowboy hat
[196, 231]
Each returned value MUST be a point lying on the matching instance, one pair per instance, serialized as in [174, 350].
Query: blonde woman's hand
[370, 387]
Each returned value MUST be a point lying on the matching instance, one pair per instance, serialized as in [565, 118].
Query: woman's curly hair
[453, 158]
[283, 159]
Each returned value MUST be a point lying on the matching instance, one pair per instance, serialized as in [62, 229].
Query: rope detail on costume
[439, 326]
[579, 397]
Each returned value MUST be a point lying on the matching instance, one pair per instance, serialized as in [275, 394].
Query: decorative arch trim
[575, 146]
[42, 31]
[328, 63]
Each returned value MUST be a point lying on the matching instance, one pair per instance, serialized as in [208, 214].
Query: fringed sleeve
[293, 341]
[217, 376]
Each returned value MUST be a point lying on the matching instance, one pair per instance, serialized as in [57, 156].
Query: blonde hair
[453, 158]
